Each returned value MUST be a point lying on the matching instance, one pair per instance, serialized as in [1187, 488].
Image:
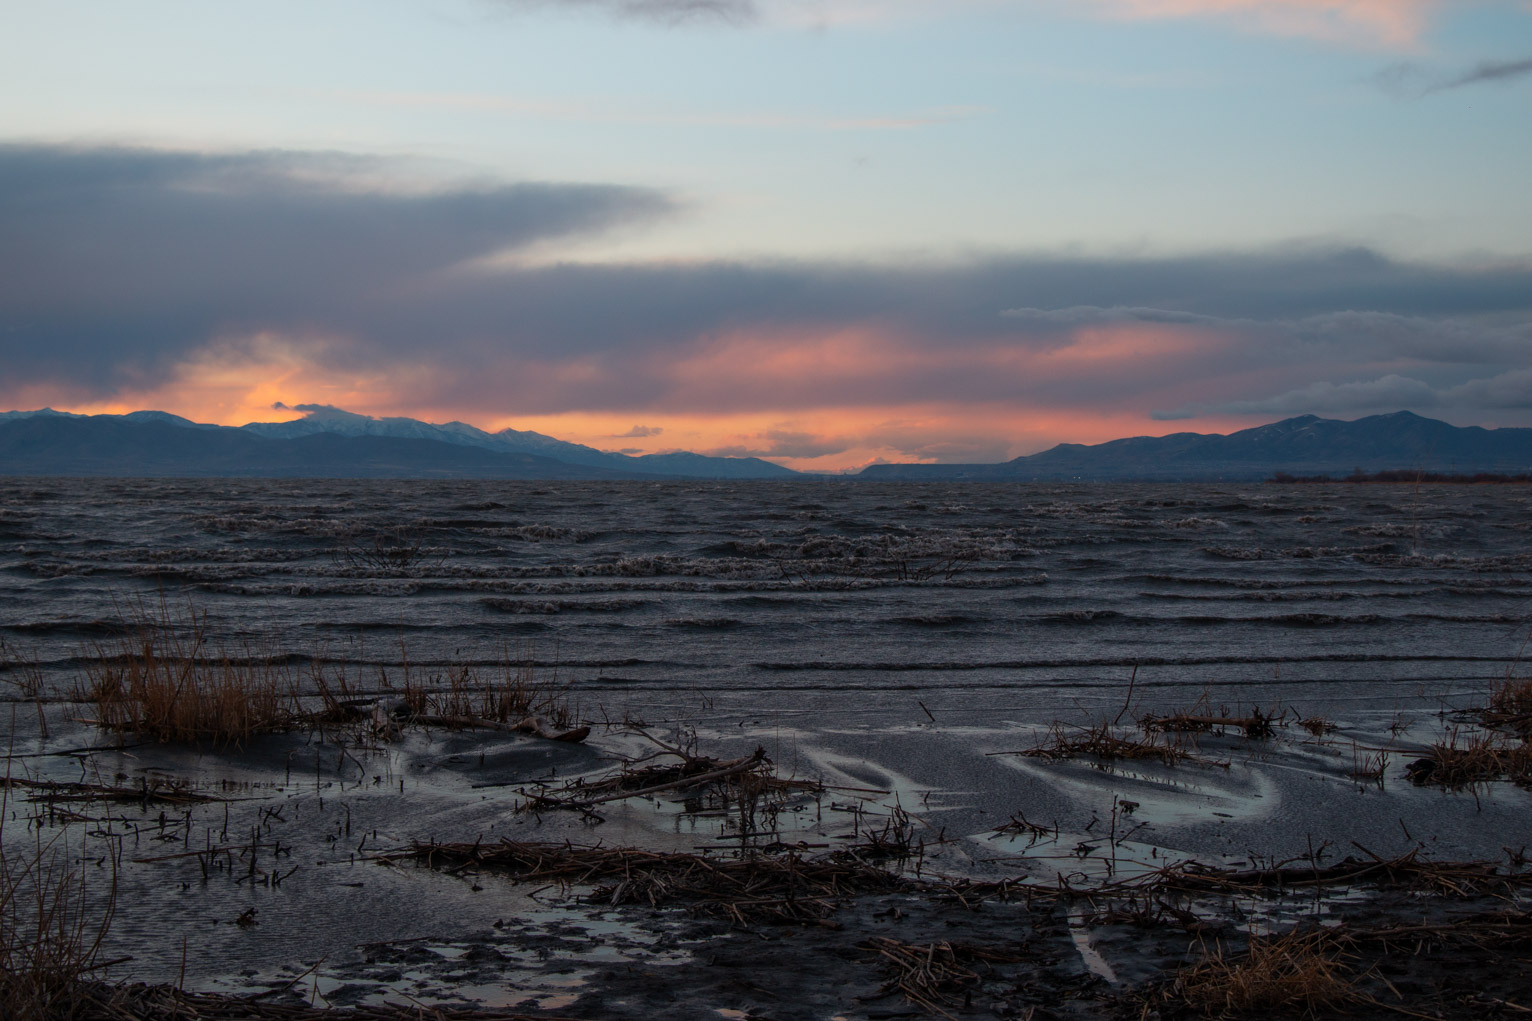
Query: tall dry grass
[507, 693]
[1510, 706]
[163, 680]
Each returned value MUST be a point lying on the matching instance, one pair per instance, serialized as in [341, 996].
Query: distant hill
[328, 443]
[331, 443]
[1301, 446]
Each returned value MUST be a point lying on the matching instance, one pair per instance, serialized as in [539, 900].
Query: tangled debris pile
[747, 787]
[779, 887]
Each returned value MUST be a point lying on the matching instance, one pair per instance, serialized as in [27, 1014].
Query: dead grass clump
[1103, 741]
[1368, 765]
[1280, 974]
[894, 841]
[462, 695]
[782, 887]
[1254, 725]
[1510, 707]
[163, 680]
[1462, 762]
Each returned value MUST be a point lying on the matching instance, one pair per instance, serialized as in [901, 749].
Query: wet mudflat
[992, 696]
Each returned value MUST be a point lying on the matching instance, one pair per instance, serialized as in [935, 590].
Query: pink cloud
[1391, 23]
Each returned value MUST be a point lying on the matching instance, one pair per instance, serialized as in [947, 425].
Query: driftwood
[742, 780]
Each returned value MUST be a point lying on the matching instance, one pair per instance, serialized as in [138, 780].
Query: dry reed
[167, 681]
[1467, 760]
[1104, 742]
[163, 680]
[1510, 707]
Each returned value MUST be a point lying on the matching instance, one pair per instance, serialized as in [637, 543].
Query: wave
[1059, 663]
[564, 605]
[1296, 595]
[1080, 616]
[68, 627]
[938, 620]
[1294, 552]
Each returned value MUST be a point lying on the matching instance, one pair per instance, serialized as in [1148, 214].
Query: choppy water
[799, 595]
[896, 641]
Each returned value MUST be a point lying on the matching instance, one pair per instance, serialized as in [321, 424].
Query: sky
[824, 232]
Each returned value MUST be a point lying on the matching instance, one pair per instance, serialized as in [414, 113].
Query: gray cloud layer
[114, 257]
[116, 264]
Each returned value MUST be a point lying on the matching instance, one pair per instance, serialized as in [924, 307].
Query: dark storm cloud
[111, 257]
[115, 265]
[669, 12]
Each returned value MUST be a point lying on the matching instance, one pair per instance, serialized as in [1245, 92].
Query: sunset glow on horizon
[957, 232]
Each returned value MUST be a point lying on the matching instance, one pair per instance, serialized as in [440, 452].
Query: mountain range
[331, 443]
[1305, 445]
[327, 443]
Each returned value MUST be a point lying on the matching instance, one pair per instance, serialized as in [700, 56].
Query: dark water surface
[799, 595]
[895, 637]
